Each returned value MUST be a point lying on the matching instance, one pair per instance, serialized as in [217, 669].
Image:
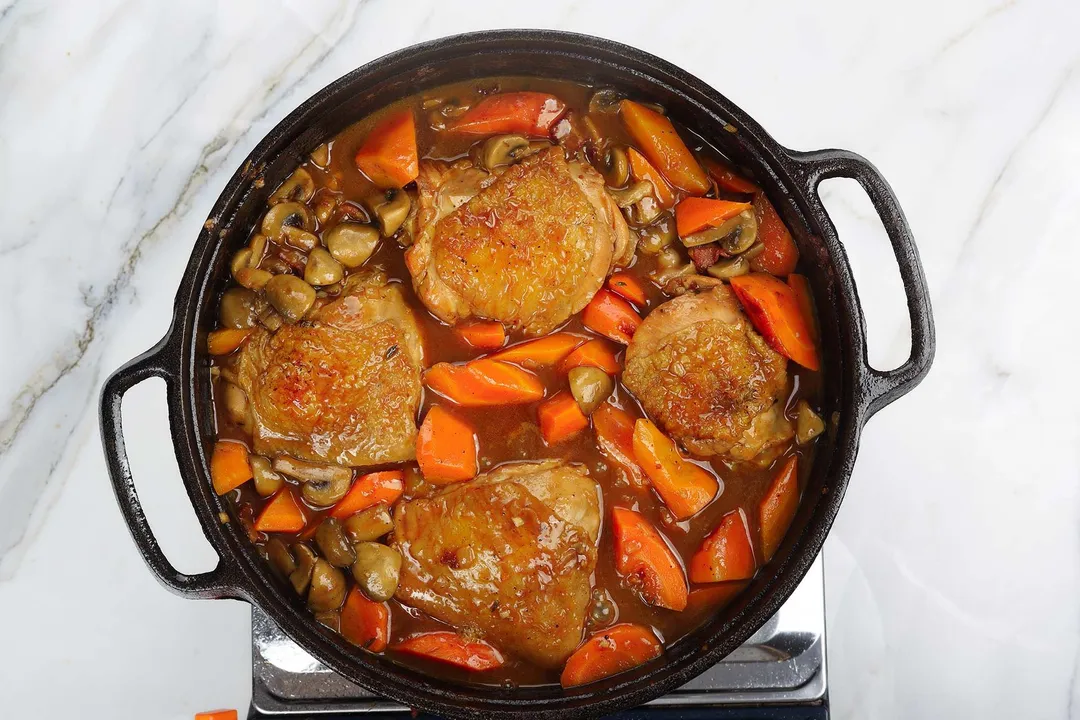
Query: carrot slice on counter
[595, 353]
[482, 335]
[230, 466]
[281, 514]
[528, 113]
[542, 352]
[611, 316]
[683, 486]
[642, 552]
[661, 144]
[629, 287]
[615, 435]
[449, 647]
[364, 622]
[446, 447]
[711, 598]
[617, 649]
[805, 299]
[726, 554]
[727, 179]
[388, 155]
[484, 382]
[642, 169]
[695, 214]
[226, 340]
[775, 313]
[560, 417]
[778, 507]
[216, 715]
[385, 486]
[780, 255]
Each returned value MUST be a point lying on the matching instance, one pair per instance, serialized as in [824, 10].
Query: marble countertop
[953, 571]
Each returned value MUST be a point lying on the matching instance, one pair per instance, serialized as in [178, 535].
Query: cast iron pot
[853, 391]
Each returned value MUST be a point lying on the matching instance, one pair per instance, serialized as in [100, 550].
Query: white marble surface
[952, 572]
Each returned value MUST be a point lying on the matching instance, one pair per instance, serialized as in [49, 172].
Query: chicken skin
[507, 556]
[342, 387]
[703, 373]
[527, 247]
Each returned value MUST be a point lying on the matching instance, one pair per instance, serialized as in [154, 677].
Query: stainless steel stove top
[783, 664]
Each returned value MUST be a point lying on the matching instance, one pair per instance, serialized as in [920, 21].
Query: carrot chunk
[484, 382]
[368, 490]
[775, 313]
[595, 353]
[451, 648]
[780, 255]
[445, 447]
[684, 487]
[482, 335]
[281, 514]
[615, 435]
[388, 155]
[230, 466]
[216, 715]
[727, 179]
[642, 552]
[364, 622]
[661, 144]
[611, 316]
[695, 214]
[778, 507]
[629, 287]
[642, 169]
[226, 340]
[560, 417]
[542, 352]
[528, 113]
[726, 553]
[617, 649]
[805, 299]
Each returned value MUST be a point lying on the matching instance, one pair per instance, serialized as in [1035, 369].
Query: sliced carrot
[368, 490]
[216, 715]
[642, 169]
[230, 466]
[726, 554]
[484, 382]
[684, 487]
[560, 417]
[595, 353]
[451, 648]
[388, 156]
[711, 598]
[482, 335]
[775, 313]
[542, 352]
[695, 214]
[528, 113]
[611, 316]
[629, 287]
[281, 514]
[780, 255]
[805, 299]
[778, 507]
[641, 552]
[445, 447]
[609, 652]
[615, 435]
[661, 144]
[364, 622]
[226, 340]
[726, 179]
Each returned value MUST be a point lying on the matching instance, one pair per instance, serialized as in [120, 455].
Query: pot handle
[152, 363]
[882, 387]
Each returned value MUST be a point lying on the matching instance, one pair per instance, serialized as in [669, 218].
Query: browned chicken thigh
[507, 557]
[527, 247]
[343, 386]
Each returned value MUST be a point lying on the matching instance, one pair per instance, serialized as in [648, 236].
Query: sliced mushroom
[235, 401]
[605, 100]
[270, 319]
[325, 494]
[321, 155]
[590, 386]
[298, 187]
[330, 537]
[503, 150]
[238, 308]
[735, 235]
[322, 268]
[634, 193]
[267, 482]
[645, 210]
[299, 238]
[240, 260]
[615, 167]
[808, 424]
[257, 244]
[280, 556]
[286, 214]
[390, 209]
[377, 570]
[290, 296]
[730, 267]
[253, 278]
[656, 237]
[370, 524]
[305, 564]
[327, 587]
[325, 207]
[311, 472]
[351, 243]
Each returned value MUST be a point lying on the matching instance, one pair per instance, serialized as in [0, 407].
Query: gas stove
[779, 673]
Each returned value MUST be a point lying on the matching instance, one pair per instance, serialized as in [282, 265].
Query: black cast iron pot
[853, 390]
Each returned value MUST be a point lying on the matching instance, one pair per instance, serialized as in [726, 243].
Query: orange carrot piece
[711, 598]
[216, 715]
[595, 353]
[484, 382]
[775, 312]
[230, 466]
[726, 554]
[482, 335]
[560, 417]
[684, 487]
[695, 214]
[805, 299]
[368, 490]
[629, 287]
[726, 179]
[617, 649]
[780, 255]
[445, 447]
[281, 514]
[661, 144]
[615, 435]
[611, 316]
[528, 113]
[542, 352]
[451, 648]
[642, 169]
[364, 622]
[388, 155]
[642, 552]
[778, 507]
[226, 340]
